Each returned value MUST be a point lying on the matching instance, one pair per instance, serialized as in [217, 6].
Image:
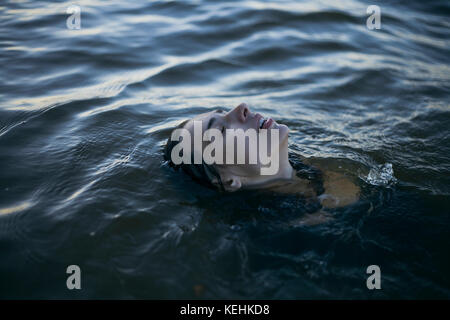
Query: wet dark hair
[307, 172]
[202, 173]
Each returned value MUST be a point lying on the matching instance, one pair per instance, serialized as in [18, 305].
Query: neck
[285, 175]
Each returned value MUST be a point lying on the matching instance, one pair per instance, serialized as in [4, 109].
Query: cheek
[243, 171]
[275, 135]
[246, 170]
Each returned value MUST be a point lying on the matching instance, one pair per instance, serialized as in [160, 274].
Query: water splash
[381, 175]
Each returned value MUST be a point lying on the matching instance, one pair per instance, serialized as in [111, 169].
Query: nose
[241, 112]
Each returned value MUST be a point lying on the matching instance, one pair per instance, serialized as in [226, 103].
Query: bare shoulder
[340, 190]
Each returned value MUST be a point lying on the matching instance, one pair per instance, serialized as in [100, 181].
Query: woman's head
[233, 175]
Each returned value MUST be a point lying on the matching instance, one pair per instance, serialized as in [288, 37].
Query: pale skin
[340, 190]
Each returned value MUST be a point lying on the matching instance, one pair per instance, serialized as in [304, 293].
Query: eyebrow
[210, 122]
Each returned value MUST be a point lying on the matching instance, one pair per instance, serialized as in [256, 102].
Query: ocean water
[84, 116]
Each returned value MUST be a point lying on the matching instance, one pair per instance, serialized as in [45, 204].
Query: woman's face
[235, 176]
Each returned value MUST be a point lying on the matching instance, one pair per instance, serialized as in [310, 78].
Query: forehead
[204, 118]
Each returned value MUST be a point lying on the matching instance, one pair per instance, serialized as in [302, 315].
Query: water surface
[84, 115]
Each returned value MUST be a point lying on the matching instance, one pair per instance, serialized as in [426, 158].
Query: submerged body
[332, 188]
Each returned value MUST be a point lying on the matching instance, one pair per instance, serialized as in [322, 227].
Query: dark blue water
[84, 115]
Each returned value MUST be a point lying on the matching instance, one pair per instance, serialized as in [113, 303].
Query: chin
[284, 132]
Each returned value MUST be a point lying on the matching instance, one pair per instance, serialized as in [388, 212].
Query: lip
[268, 123]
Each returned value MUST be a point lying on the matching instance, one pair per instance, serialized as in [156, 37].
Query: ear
[230, 182]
